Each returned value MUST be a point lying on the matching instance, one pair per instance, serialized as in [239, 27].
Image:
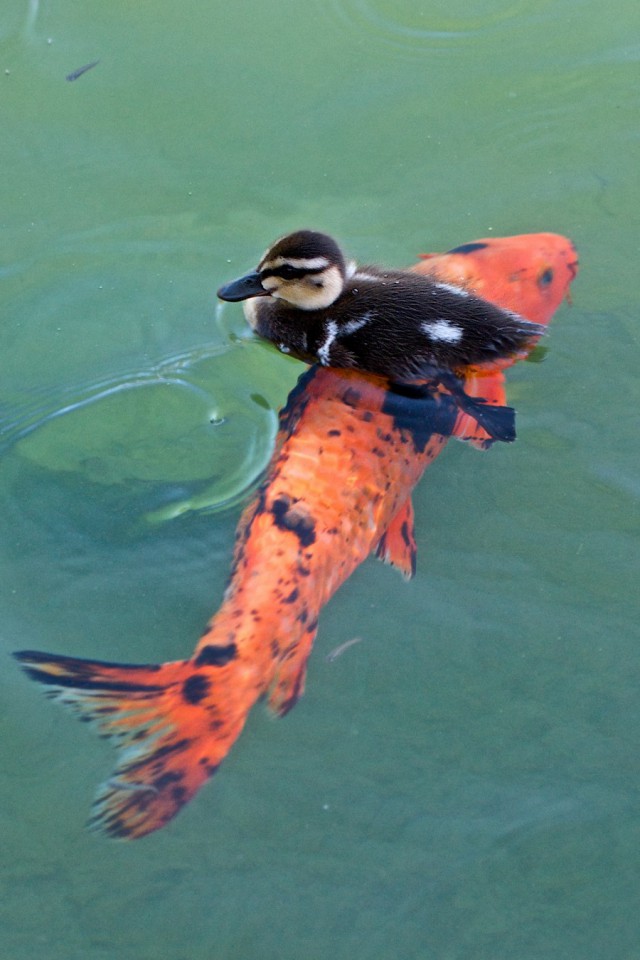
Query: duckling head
[305, 269]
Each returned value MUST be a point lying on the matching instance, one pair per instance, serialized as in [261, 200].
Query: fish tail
[170, 723]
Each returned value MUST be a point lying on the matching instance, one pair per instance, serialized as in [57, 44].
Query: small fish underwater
[350, 449]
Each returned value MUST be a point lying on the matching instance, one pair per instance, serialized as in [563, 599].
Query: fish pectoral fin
[397, 545]
[291, 674]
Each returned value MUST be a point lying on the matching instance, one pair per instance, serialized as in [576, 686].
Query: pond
[462, 784]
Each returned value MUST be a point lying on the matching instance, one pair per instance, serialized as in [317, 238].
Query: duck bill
[243, 288]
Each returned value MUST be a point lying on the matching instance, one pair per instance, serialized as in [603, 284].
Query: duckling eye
[287, 272]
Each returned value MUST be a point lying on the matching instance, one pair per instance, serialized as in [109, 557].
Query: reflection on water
[421, 26]
[47, 405]
[33, 9]
[192, 428]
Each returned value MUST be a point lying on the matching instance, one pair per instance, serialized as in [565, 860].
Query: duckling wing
[396, 322]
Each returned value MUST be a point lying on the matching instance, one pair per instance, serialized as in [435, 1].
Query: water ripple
[46, 404]
[194, 430]
[403, 23]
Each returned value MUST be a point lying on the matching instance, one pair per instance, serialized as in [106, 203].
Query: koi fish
[347, 457]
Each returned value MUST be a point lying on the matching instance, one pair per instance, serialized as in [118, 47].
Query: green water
[464, 783]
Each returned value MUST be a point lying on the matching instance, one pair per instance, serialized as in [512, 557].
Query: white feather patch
[459, 292]
[360, 275]
[300, 263]
[325, 348]
[350, 268]
[352, 325]
[442, 330]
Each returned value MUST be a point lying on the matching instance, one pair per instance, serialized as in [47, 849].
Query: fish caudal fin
[169, 737]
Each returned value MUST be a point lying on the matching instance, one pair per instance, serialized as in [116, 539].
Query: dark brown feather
[377, 325]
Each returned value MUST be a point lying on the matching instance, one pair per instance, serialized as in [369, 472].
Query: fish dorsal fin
[397, 545]
[486, 386]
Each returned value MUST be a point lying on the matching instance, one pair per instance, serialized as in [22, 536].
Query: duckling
[313, 303]
[322, 308]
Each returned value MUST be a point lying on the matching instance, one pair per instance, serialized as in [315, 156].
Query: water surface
[463, 783]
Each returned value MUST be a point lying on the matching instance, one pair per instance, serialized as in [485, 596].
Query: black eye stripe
[288, 272]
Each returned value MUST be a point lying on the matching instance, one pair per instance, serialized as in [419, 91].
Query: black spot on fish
[294, 518]
[76, 683]
[166, 778]
[293, 596]
[468, 248]
[351, 397]
[176, 747]
[114, 826]
[280, 506]
[215, 656]
[545, 278]
[210, 767]
[334, 433]
[305, 530]
[195, 688]
[297, 401]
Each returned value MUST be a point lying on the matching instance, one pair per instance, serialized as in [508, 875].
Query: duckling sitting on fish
[313, 303]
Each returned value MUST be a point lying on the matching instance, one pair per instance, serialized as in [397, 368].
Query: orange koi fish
[348, 454]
